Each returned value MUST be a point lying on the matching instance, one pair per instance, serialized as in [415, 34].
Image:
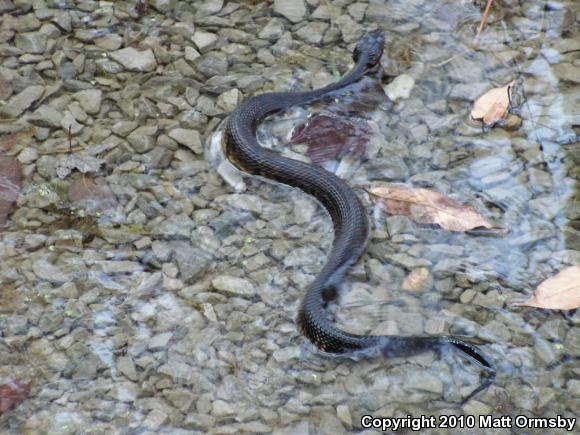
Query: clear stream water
[164, 300]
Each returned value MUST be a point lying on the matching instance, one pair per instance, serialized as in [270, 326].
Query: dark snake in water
[351, 226]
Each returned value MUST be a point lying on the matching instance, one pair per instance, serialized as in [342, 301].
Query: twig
[483, 19]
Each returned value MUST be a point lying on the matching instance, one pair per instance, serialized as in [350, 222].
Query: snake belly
[351, 226]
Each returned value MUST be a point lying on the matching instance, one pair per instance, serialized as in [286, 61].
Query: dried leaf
[428, 207]
[331, 137]
[8, 141]
[418, 279]
[11, 395]
[492, 106]
[10, 184]
[560, 292]
[86, 194]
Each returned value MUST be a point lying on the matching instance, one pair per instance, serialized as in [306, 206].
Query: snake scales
[348, 215]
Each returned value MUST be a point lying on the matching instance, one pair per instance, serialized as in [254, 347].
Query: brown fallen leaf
[492, 106]
[12, 394]
[91, 196]
[428, 207]
[560, 292]
[332, 137]
[8, 141]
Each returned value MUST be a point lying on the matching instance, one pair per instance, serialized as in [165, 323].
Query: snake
[350, 222]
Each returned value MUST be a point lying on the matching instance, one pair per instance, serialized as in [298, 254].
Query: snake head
[369, 48]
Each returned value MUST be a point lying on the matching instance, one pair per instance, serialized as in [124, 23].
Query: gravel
[149, 286]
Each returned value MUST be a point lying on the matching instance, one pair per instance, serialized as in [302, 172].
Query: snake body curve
[351, 226]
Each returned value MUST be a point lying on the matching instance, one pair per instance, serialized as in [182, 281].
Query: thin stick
[483, 19]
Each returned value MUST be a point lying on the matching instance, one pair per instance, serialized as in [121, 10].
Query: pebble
[46, 116]
[221, 408]
[343, 414]
[567, 72]
[234, 286]
[190, 138]
[155, 419]
[229, 100]
[172, 309]
[49, 272]
[286, 354]
[21, 102]
[400, 88]
[135, 60]
[90, 100]
[32, 42]
[272, 30]
[293, 10]
[205, 41]
[423, 381]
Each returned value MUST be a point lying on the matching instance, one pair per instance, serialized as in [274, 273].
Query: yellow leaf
[428, 207]
[560, 292]
[492, 106]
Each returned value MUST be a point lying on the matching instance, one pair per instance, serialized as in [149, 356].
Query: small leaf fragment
[91, 196]
[492, 106]
[428, 207]
[10, 185]
[12, 394]
[8, 141]
[560, 292]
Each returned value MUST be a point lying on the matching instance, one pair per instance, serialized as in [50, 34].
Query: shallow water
[162, 297]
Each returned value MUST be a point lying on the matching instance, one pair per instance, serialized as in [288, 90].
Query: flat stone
[212, 64]
[343, 414]
[424, 382]
[143, 138]
[235, 286]
[90, 100]
[160, 341]
[115, 267]
[31, 42]
[272, 30]
[400, 88]
[46, 116]
[294, 10]
[109, 42]
[567, 72]
[229, 100]
[286, 354]
[126, 366]
[221, 408]
[179, 226]
[135, 60]
[312, 32]
[49, 272]
[387, 169]
[190, 138]
[468, 91]
[21, 101]
[205, 41]
[178, 371]
[155, 419]
[191, 54]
